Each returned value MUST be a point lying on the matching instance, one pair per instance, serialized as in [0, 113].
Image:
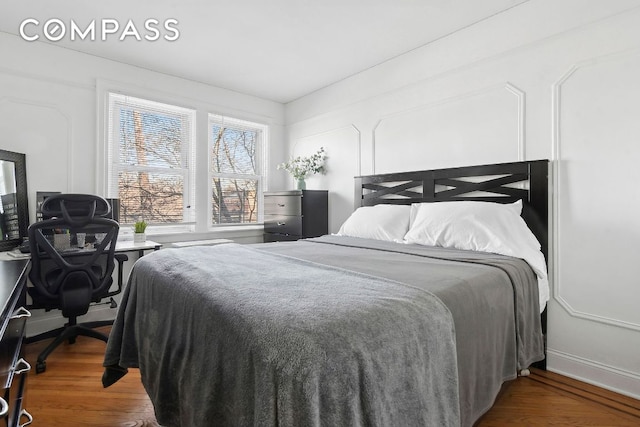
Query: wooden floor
[70, 393]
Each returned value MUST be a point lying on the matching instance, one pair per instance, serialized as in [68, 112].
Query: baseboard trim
[595, 373]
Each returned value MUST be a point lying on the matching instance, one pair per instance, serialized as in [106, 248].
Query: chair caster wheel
[41, 367]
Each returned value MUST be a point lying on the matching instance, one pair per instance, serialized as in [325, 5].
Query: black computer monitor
[115, 209]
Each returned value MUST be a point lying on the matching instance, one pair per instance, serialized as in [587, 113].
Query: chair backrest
[64, 275]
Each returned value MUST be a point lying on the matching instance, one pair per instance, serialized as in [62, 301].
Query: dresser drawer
[282, 205]
[276, 237]
[283, 224]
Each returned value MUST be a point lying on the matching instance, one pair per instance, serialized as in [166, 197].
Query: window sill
[239, 234]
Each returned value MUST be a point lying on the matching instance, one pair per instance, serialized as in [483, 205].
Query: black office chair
[67, 277]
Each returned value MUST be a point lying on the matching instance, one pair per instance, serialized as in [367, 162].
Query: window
[151, 165]
[151, 160]
[235, 170]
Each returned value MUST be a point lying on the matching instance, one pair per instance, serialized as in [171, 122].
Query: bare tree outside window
[152, 162]
[152, 165]
[235, 178]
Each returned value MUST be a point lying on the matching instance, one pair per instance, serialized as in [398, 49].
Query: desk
[121, 246]
[130, 245]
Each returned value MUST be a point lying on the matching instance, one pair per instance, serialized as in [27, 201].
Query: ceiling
[279, 50]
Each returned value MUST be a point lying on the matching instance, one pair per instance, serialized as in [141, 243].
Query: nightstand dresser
[297, 214]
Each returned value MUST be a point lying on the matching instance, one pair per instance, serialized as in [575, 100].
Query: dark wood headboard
[501, 183]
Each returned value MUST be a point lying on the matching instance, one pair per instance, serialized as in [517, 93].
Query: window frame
[203, 201]
[262, 131]
[118, 100]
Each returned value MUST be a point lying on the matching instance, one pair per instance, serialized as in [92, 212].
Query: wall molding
[509, 87]
[69, 125]
[45, 78]
[324, 132]
[599, 374]
[556, 151]
[373, 144]
[144, 90]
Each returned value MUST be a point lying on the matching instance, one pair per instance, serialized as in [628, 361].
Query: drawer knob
[24, 413]
[4, 407]
[281, 205]
[280, 223]
[26, 367]
[21, 312]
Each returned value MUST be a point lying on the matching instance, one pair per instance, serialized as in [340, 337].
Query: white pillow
[479, 226]
[516, 207]
[380, 222]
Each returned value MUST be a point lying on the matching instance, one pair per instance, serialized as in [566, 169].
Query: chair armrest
[121, 258]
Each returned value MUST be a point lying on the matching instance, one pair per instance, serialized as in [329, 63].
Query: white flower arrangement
[300, 167]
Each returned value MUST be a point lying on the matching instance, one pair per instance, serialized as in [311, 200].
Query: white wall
[546, 79]
[48, 110]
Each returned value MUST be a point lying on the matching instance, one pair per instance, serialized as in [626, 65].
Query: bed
[369, 327]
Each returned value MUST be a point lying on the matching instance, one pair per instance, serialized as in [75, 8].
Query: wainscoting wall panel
[484, 126]
[597, 226]
[595, 142]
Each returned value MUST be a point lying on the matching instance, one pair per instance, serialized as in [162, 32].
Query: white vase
[139, 237]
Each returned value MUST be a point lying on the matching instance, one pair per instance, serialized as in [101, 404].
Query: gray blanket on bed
[348, 332]
[493, 300]
[231, 335]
